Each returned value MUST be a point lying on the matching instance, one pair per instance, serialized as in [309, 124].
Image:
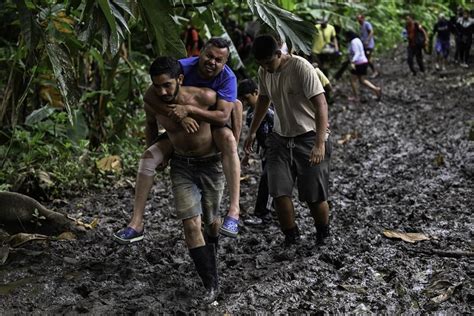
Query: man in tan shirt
[298, 148]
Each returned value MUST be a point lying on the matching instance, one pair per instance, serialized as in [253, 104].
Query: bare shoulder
[204, 96]
[150, 96]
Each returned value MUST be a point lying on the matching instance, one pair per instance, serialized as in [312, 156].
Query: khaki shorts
[288, 162]
[198, 184]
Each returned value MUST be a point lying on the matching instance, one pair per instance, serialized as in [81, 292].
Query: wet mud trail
[405, 163]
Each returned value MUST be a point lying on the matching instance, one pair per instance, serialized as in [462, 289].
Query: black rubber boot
[212, 240]
[322, 231]
[205, 261]
[292, 236]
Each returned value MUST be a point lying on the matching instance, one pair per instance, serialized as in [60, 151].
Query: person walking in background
[192, 41]
[417, 39]
[325, 82]
[367, 38]
[325, 45]
[248, 94]
[443, 30]
[298, 147]
[457, 36]
[359, 65]
[465, 26]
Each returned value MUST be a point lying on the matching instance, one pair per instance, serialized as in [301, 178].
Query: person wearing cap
[443, 30]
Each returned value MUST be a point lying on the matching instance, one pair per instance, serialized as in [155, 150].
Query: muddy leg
[225, 141]
[203, 256]
[320, 213]
[150, 160]
[376, 90]
[286, 216]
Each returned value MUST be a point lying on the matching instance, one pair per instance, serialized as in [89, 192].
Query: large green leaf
[293, 30]
[78, 129]
[39, 115]
[162, 30]
[65, 75]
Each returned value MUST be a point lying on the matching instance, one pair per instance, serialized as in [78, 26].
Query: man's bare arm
[218, 117]
[321, 107]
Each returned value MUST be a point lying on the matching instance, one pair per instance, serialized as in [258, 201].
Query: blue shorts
[198, 184]
[442, 48]
[288, 162]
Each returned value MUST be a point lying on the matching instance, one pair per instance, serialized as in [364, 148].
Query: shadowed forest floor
[405, 163]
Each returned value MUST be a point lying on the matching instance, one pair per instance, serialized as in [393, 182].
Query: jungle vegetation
[74, 72]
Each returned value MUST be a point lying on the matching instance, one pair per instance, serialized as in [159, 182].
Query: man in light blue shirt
[367, 38]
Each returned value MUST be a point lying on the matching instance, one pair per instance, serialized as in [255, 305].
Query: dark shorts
[288, 162]
[360, 70]
[368, 52]
[198, 184]
[442, 48]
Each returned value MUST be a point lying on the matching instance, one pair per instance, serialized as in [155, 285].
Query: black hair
[264, 46]
[246, 86]
[218, 42]
[350, 35]
[166, 65]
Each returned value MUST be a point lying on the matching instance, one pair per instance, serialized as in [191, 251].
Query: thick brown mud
[405, 163]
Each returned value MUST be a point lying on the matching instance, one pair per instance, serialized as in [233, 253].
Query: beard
[170, 98]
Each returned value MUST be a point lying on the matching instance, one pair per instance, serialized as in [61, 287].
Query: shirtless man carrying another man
[196, 169]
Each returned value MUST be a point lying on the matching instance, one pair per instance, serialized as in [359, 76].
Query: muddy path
[405, 163]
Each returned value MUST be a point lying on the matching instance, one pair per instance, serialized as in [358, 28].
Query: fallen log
[21, 213]
[443, 253]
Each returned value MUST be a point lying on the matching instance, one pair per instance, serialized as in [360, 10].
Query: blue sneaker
[128, 235]
[230, 227]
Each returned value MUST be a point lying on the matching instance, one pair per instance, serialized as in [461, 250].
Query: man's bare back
[199, 143]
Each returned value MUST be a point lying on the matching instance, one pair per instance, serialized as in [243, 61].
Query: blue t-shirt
[365, 29]
[444, 30]
[225, 83]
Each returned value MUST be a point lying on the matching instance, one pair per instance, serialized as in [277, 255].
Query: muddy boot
[205, 261]
[292, 236]
[212, 240]
[322, 231]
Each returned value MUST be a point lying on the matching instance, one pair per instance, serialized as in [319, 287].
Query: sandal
[128, 235]
[230, 227]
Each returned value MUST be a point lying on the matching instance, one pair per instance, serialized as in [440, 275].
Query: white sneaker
[464, 65]
[437, 67]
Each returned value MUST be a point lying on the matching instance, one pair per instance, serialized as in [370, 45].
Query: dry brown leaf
[244, 178]
[51, 95]
[21, 238]
[439, 160]
[346, 138]
[408, 237]
[61, 21]
[45, 178]
[67, 236]
[110, 163]
[79, 222]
